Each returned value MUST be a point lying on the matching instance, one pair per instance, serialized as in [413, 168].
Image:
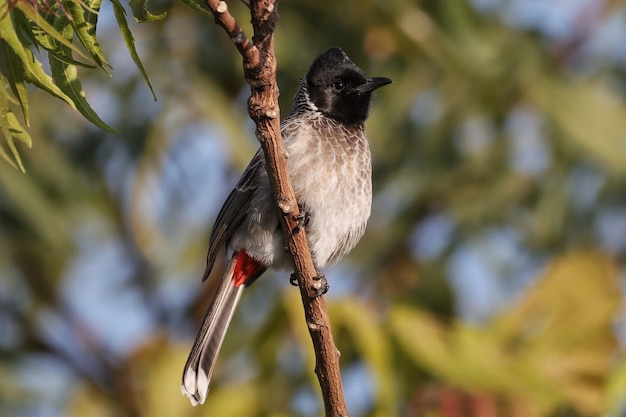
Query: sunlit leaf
[5, 94]
[8, 137]
[17, 131]
[33, 72]
[120, 16]
[12, 68]
[49, 31]
[3, 154]
[66, 77]
[11, 129]
[84, 20]
[11, 143]
[49, 37]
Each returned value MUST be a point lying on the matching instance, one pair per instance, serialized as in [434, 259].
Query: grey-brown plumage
[329, 165]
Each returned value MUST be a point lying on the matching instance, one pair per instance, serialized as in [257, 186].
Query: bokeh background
[490, 282]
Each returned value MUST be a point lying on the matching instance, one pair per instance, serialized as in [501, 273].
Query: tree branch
[259, 65]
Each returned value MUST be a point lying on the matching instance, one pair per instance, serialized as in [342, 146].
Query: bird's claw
[293, 279]
[303, 218]
[320, 285]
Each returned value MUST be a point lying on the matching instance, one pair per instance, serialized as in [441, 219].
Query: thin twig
[248, 51]
[259, 65]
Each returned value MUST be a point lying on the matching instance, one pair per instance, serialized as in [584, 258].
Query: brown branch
[259, 65]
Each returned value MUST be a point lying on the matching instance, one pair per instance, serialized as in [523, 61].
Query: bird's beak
[372, 84]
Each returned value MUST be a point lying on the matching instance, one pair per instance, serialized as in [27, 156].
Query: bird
[329, 164]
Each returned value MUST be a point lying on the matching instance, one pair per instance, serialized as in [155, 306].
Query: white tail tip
[195, 386]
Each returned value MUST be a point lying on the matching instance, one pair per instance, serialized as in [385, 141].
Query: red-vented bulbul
[330, 168]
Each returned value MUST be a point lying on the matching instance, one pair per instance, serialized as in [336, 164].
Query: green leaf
[48, 29]
[120, 15]
[23, 28]
[3, 154]
[5, 94]
[33, 72]
[40, 38]
[42, 80]
[17, 131]
[11, 129]
[141, 12]
[13, 70]
[4, 129]
[66, 77]
[84, 20]
[70, 60]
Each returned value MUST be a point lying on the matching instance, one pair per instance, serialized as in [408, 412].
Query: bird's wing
[235, 208]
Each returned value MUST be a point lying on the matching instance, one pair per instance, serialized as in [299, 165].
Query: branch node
[254, 82]
[222, 7]
[286, 206]
[239, 38]
[272, 113]
[315, 327]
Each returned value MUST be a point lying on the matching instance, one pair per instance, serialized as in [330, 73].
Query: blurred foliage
[489, 282]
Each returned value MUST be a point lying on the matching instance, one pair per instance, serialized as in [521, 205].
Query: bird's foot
[293, 279]
[320, 285]
[303, 218]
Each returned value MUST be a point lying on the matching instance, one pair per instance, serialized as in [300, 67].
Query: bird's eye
[338, 85]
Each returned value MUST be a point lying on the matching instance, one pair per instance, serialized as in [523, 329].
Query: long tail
[241, 270]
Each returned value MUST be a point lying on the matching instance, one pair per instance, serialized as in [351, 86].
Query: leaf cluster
[65, 31]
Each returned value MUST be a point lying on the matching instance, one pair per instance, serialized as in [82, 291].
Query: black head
[340, 89]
